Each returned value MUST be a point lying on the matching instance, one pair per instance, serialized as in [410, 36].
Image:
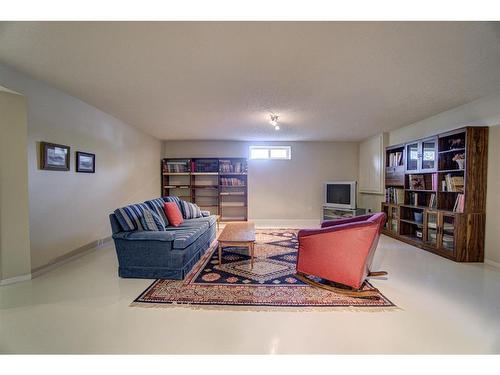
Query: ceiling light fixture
[274, 121]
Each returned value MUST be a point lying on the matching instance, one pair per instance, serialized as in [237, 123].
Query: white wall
[69, 210]
[282, 190]
[15, 259]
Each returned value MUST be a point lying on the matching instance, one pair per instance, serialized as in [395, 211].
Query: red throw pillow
[174, 215]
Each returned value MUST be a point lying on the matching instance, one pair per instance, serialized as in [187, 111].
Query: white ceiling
[220, 80]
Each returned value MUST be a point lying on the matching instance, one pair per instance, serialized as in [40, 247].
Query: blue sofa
[169, 254]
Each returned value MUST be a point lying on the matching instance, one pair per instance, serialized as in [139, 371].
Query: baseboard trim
[15, 280]
[68, 257]
[287, 223]
[492, 263]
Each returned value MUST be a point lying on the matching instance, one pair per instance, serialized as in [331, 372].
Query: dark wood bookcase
[219, 185]
[436, 193]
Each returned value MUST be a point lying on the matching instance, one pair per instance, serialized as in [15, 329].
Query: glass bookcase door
[448, 232]
[394, 217]
[385, 209]
[431, 223]
[412, 157]
[429, 155]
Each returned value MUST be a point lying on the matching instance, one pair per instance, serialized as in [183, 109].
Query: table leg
[220, 254]
[251, 248]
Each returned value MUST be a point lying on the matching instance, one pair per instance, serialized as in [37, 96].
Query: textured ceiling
[220, 80]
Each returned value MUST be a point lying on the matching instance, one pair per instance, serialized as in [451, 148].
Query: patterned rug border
[265, 308]
[214, 306]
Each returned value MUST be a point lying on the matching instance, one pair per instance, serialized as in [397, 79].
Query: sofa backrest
[130, 216]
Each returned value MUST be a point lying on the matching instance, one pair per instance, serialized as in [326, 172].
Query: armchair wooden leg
[377, 273]
[370, 293]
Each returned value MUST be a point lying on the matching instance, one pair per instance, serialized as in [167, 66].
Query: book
[395, 159]
[454, 183]
[394, 195]
[432, 201]
[413, 199]
[459, 203]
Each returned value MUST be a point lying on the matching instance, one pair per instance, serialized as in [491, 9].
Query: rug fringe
[267, 308]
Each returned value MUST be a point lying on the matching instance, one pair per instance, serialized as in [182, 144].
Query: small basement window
[270, 152]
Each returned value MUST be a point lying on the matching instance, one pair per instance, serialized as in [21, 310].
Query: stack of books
[395, 159]
[394, 195]
[454, 183]
[231, 182]
[177, 167]
[226, 166]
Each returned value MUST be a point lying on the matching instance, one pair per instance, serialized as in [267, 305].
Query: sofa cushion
[174, 215]
[152, 221]
[156, 205]
[210, 220]
[186, 236]
[190, 210]
[129, 217]
[145, 236]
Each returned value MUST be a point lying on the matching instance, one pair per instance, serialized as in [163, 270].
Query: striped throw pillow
[151, 221]
[129, 217]
[156, 205]
[190, 210]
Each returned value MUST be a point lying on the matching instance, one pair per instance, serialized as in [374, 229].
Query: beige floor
[82, 307]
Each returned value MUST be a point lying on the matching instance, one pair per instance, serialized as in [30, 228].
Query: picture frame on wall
[85, 162]
[54, 157]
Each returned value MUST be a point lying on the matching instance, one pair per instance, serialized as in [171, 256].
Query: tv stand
[333, 213]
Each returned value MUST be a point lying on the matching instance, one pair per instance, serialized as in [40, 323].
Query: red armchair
[341, 251]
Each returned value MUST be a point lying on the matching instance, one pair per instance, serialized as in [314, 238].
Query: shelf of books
[438, 201]
[218, 185]
[233, 187]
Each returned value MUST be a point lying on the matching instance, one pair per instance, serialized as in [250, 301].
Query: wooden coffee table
[238, 234]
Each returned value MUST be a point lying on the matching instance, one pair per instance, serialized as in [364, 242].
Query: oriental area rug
[269, 285]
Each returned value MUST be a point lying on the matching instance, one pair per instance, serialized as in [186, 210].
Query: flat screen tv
[340, 194]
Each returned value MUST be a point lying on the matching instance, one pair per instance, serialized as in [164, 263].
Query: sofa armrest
[145, 236]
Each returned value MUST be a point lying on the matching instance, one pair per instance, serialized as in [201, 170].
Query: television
[340, 194]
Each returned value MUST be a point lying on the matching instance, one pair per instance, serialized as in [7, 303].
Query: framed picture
[54, 157]
[417, 182]
[85, 162]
